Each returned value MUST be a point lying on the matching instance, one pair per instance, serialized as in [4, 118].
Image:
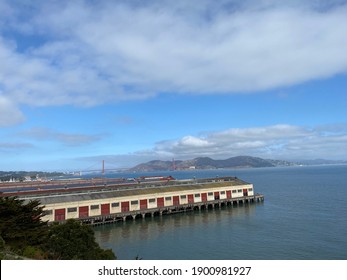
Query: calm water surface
[304, 216]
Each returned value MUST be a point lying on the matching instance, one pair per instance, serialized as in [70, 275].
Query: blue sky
[133, 81]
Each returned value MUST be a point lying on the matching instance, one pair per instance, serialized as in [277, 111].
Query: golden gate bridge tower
[173, 164]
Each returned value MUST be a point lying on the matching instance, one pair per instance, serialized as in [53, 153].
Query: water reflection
[172, 231]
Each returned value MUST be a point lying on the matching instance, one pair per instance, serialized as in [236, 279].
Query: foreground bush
[23, 233]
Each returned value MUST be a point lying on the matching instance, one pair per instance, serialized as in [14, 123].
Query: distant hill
[209, 163]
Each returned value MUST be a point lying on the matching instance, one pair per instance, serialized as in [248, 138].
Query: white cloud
[278, 141]
[274, 142]
[268, 132]
[191, 141]
[9, 113]
[8, 147]
[260, 141]
[69, 139]
[86, 53]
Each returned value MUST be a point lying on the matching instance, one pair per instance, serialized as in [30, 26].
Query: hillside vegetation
[209, 163]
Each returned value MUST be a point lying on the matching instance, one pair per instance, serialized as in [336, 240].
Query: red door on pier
[59, 214]
[176, 200]
[160, 202]
[204, 197]
[190, 198]
[143, 204]
[125, 206]
[83, 211]
[216, 195]
[245, 192]
[105, 209]
[228, 194]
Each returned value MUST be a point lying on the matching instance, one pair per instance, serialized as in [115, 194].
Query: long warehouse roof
[134, 191]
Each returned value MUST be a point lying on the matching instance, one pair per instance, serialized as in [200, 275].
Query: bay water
[304, 216]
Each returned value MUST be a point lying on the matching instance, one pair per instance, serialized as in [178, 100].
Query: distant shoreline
[154, 166]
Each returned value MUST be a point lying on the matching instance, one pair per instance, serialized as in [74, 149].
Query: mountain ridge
[209, 163]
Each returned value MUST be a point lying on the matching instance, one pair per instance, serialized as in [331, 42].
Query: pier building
[144, 198]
